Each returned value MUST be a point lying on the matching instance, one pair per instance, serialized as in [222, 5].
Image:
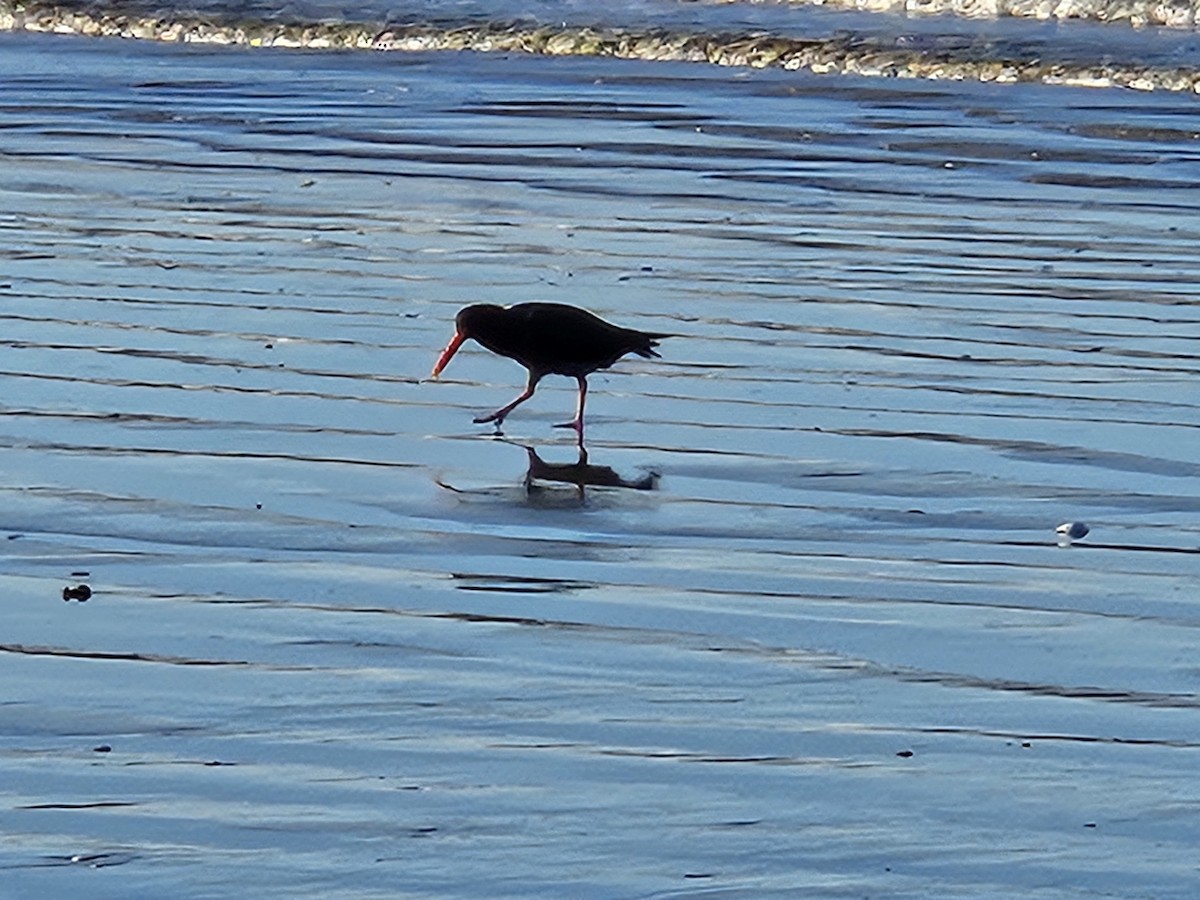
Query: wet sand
[339, 644]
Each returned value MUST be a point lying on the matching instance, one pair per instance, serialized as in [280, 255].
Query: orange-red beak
[451, 349]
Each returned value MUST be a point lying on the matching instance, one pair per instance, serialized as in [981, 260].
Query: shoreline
[841, 54]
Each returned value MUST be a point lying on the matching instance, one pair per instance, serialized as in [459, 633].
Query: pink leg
[577, 424]
[498, 415]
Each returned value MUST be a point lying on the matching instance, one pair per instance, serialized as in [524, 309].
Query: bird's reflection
[580, 473]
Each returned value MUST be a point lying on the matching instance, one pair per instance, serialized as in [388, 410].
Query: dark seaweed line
[821, 660]
[848, 54]
[142, 419]
[306, 168]
[871, 669]
[1045, 390]
[1008, 605]
[985, 414]
[254, 305]
[124, 656]
[91, 860]
[1093, 546]
[1072, 339]
[94, 804]
[147, 328]
[1154, 699]
[1062, 454]
[1027, 450]
[1016, 362]
[107, 450]
[876, 515]
[194, 359]
[1080, 360]
[213, 388]
[1174, 743]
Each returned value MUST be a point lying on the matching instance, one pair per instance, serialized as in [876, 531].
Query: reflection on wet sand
[541, 478]
[581, 474]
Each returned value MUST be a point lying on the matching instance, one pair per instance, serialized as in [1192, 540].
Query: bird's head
[465, 324]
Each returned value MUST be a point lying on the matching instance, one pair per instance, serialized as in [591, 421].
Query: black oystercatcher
[547, 338]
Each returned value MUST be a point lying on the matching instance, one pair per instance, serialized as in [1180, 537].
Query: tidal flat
[820, 637]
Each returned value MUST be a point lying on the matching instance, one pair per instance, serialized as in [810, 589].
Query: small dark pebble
[905, 753]
[1089, 824]
[103, 748]
[1026, 744]
[269, 346]
[81, 574]
[80, 592]
[258, 506]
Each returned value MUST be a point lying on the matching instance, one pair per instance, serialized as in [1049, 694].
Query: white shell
[1073, 530]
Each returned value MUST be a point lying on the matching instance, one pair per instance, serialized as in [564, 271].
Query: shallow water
[339, 645]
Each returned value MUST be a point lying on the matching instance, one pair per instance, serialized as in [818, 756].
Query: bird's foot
[498, 420]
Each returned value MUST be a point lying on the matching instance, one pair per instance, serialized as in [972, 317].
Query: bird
[547, 339]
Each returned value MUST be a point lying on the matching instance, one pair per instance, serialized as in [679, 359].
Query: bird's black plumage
[547, 338]
[553, 337]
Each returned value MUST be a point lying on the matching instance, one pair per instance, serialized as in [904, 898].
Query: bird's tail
[647, 350]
